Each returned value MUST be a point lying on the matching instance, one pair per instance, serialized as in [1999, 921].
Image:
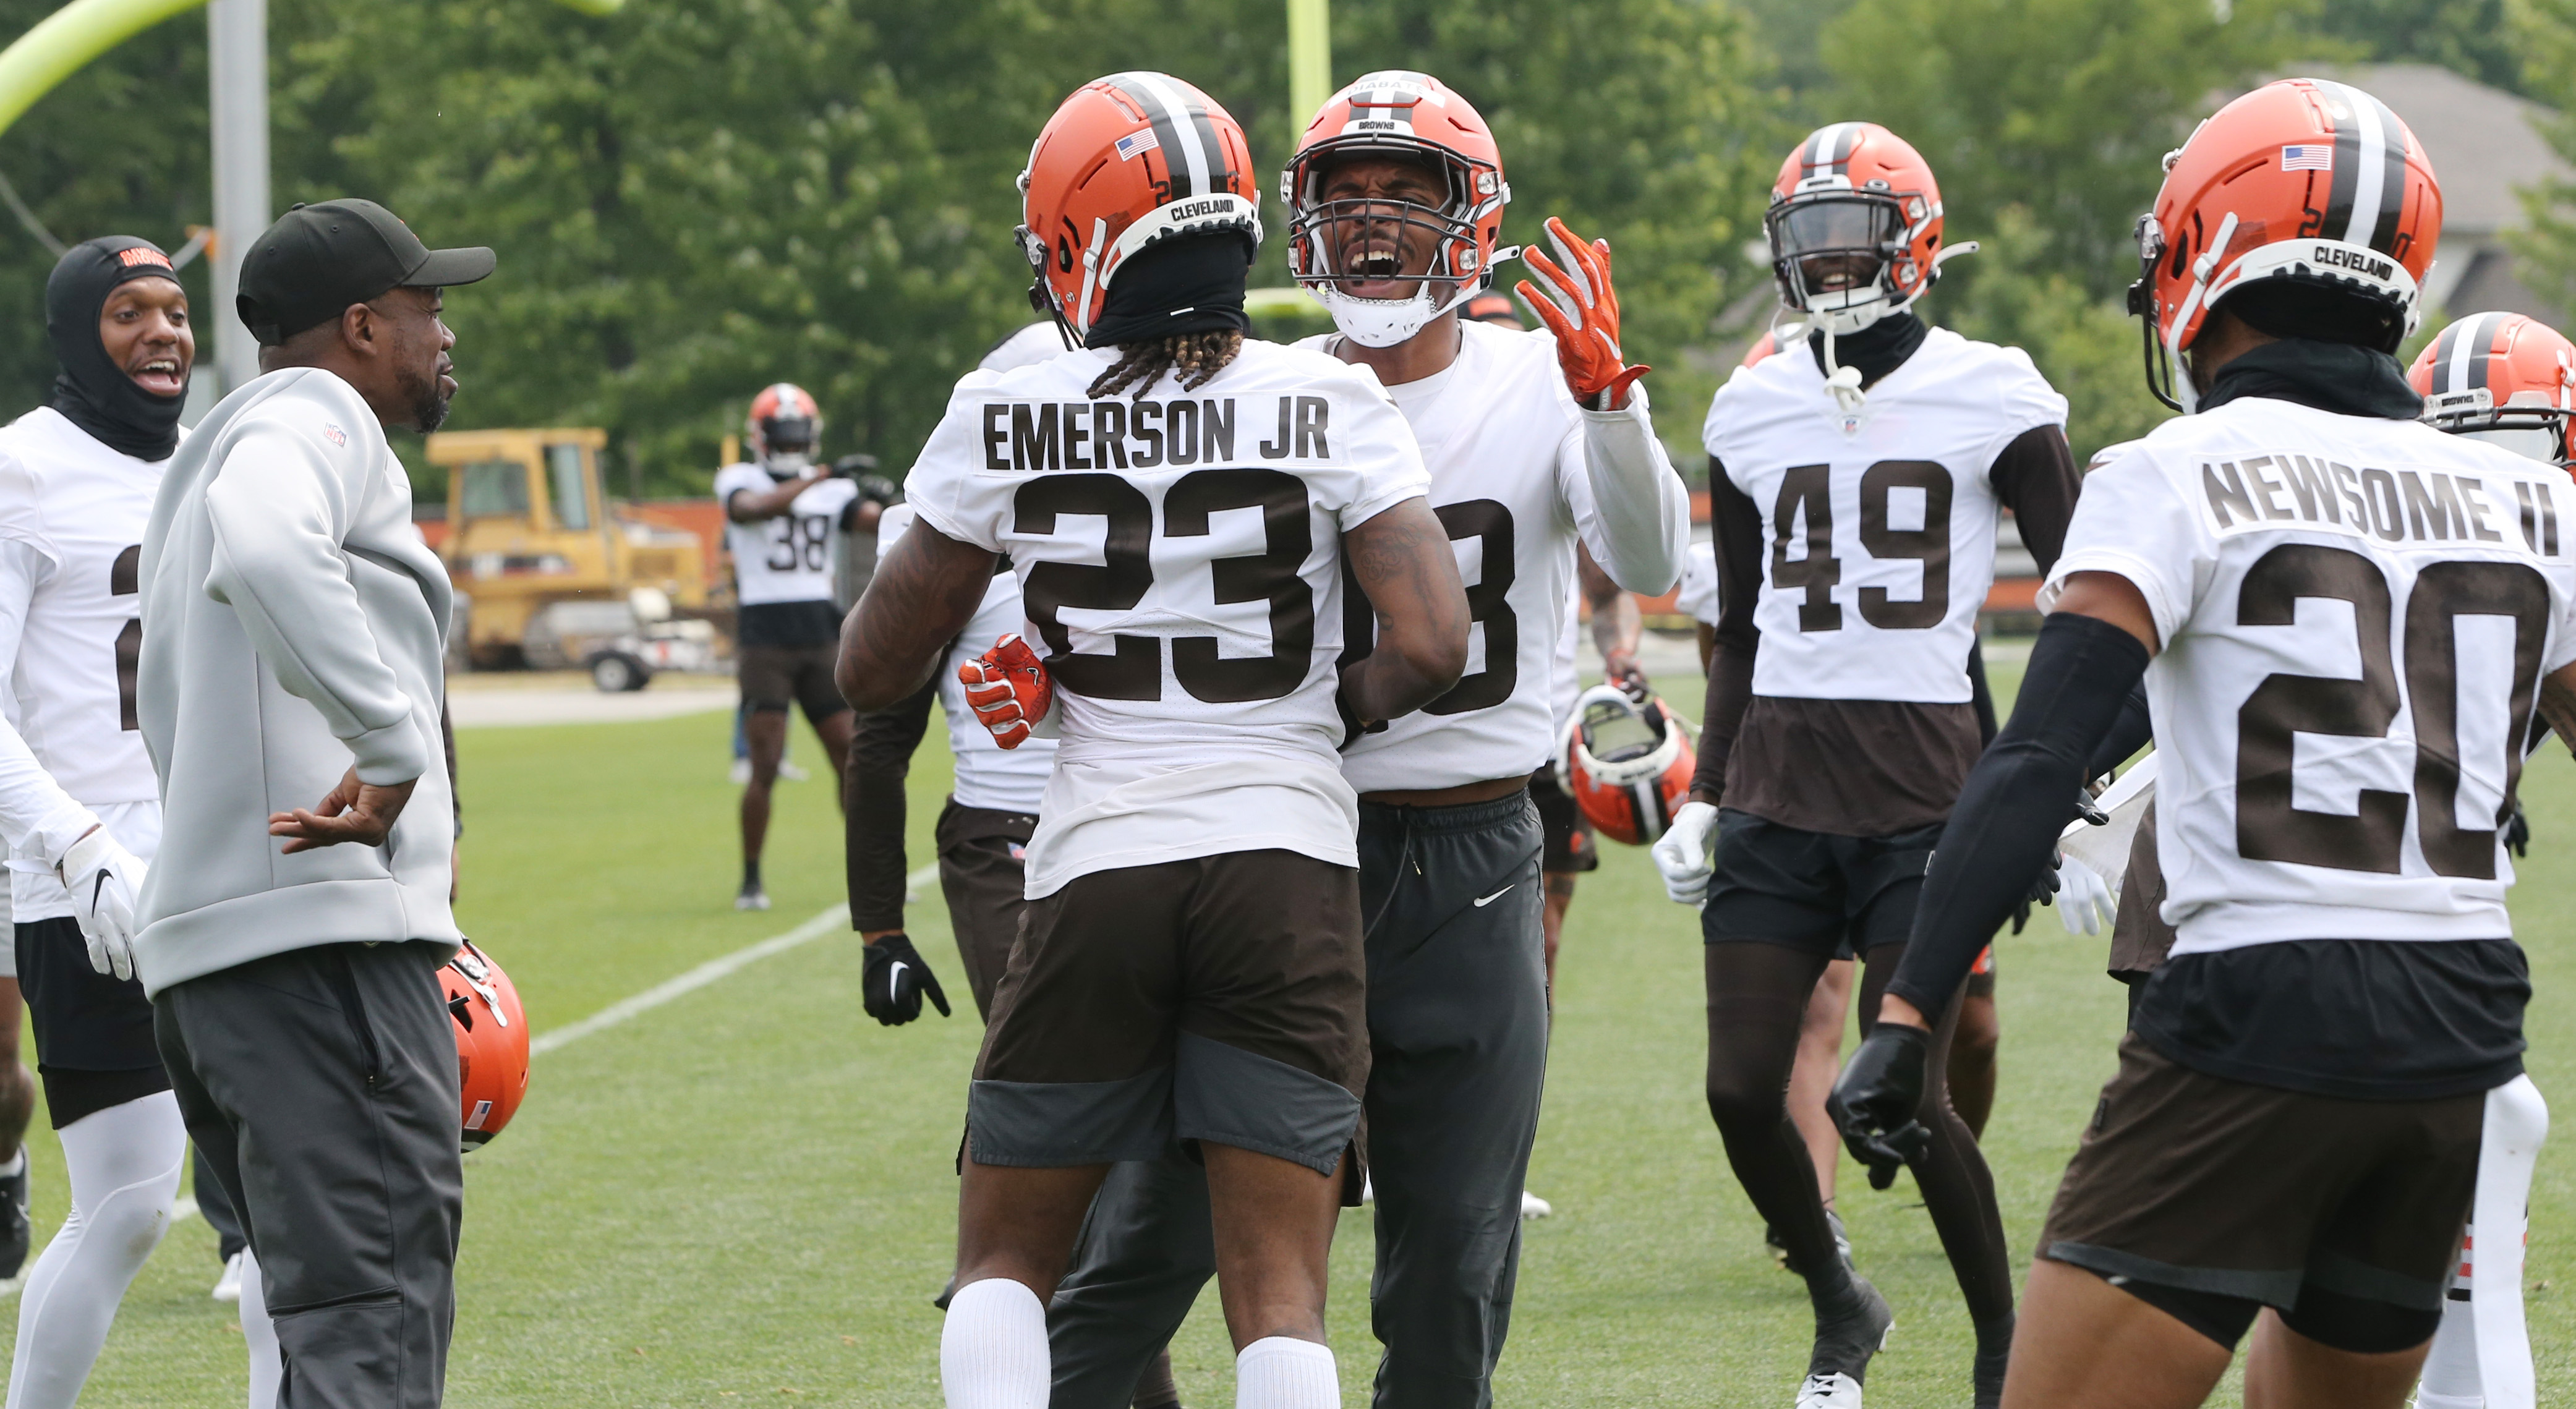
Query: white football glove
[2084, 903]
[104, 879]
[1682, 854]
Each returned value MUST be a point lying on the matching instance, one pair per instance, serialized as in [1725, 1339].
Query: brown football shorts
[2206, 1185]
[774, 677]
[982, 874]
[1218, 999]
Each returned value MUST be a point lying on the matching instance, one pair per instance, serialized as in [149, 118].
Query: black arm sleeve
[2132, 733]
[881, 748]
[2036, 478]
[2018, 798]
[1981, 693]
[1735, 523]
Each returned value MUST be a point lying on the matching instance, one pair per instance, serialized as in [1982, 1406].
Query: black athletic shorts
[2225, 1189]
[1220, 998]
[1569, 846]
[773, 677]
[983, 871]
[1813, 890]
[94, 1040]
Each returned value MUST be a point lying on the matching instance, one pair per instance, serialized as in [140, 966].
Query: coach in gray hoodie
[294, 922]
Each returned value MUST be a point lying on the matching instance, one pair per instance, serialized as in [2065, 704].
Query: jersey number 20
[1134, 671]
[2269, 827]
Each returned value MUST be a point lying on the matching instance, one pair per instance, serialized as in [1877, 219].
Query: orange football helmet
[783, 419]
[1127, 160]
[2505, 378]
[2305, 180]
[1855, 226]
[1627, 764]
[1410, 115]
[491, 1041]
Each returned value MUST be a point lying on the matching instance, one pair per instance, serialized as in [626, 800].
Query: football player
[1854, 487]
[1535, 444]
[1180, 505]
[17, 1107]
[782, 510]
[984, 828]
[79, 805]
[2301, 571]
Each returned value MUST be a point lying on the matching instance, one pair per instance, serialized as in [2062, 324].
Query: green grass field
[747, 1196]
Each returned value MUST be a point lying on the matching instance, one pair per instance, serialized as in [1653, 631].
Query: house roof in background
[2484, 142]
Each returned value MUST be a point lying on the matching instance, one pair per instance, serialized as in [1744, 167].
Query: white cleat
[751, 898]
[741, 773]
[1835, 1391]
[1532, 1206]
[790, 773]
[228, 1286]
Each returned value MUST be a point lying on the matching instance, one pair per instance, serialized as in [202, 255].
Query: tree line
[694, 198]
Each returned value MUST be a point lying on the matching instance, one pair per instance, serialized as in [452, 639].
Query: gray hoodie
[293, 625]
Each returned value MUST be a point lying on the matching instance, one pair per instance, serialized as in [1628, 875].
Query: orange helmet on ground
[1126, 161]
[783, 420]
[491, 1041]
[2502, 377]
[1414, 117]
[1855, 226]
[2303, 188]
[1627, 763]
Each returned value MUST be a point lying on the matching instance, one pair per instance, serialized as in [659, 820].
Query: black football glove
[2043, 891]
[2517, 831]
[1875, 1100]
[895, 979]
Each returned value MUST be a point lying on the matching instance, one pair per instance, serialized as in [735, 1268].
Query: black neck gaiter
[91, 391]
[2327, 376]
[1188, 284]
[1876, 350]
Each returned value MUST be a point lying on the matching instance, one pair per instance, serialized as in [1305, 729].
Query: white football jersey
[988, 775]
[76, 509]
[1698, 598]
[1503, 440]
[1179, 559]
[1882, 522]
[2356, 614]
[788, 558]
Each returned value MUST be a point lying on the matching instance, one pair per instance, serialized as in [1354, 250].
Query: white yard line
[830, 918]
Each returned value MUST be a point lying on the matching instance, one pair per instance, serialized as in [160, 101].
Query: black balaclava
[1186, 284]
[91, 391]
[1876, 350]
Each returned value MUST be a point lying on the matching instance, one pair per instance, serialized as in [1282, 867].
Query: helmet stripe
[1185, 116]
[2392, 170]
[2346, 129]
[2446, 358]
[1831, 152]
[1167, 132]
[2481, 349]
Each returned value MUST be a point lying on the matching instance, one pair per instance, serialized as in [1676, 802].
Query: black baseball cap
[320, 258]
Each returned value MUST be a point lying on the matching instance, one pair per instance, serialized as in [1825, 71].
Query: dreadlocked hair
[1195, 357]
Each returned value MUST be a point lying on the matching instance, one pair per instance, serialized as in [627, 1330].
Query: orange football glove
[1583, 311]
[1009, 690]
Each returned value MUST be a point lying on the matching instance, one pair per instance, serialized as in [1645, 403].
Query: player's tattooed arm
[1616, 623]
[1404, 563]
[922, 595]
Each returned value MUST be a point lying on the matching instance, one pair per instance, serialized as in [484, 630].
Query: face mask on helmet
[1346, 235]
[1832, 253]
[2529, 427]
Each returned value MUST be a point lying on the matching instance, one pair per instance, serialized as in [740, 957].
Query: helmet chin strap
[1842, 381]
[1385, 322]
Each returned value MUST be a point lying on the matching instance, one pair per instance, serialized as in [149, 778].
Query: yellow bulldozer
[552, 574]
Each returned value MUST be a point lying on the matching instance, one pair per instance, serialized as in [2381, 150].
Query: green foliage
[2544, 33]
[2465, 36]
[2089, 348]
[2063, 106]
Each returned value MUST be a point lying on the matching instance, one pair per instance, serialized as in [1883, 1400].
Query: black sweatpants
[1457, 1007]
[321, 1087]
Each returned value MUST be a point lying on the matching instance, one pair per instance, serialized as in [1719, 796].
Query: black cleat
[1849, 1335]
[17, 1235]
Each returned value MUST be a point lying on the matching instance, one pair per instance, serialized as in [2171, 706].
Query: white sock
[124, 1164]
[267, 1364]
[1278, 1372]
[993, 1351]
[17, 1164]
